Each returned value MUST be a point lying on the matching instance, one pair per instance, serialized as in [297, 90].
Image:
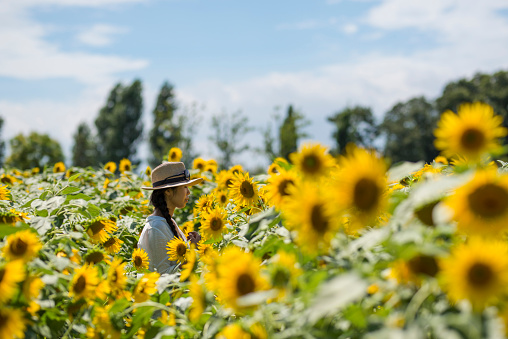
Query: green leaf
[140, 318]
[69, 190]
[74, 177]
[6, 229]
[94, 210]
[78, 196]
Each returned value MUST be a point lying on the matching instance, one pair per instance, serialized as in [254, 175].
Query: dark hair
[158, 200]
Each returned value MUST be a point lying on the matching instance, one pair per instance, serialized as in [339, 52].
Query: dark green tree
[2, 144]
[409, 131]
[34, 150]
[353, 125]
[84, 151]
[290, 132]
[119, 124]
[228, 130]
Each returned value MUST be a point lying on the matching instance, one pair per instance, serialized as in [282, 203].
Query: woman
[170, 182]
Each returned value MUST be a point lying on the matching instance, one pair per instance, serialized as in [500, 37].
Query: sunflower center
[3, 320]
[97, 226]
[424, 264]
[366, 194]
[94, 257]
[310, 163]
[283, 187]
[2, 273]
[318, 220]
[80, 284]
[472, 139]
[245, 284]
[138, 261]
[114, 277]
[281, 277]
[425, 214]
[181, 249]
[216, 224]
[109, 242]
[489, 201]
[223, 199]
[18, 247]
[246, 189]
[480, 275]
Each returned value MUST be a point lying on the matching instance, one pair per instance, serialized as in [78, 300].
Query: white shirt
[154, 239]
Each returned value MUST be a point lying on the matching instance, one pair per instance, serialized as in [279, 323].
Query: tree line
[404, 134]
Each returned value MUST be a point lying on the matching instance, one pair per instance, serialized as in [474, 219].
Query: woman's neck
[157, 212]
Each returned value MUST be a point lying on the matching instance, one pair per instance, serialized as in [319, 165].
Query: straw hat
[171, 174]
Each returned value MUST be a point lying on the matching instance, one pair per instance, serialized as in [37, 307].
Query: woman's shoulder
[156, 221]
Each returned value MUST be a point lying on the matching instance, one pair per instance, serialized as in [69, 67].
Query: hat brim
[175, 184]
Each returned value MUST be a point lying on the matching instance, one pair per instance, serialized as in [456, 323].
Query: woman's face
[178, 197]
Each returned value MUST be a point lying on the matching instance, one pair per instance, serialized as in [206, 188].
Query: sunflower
[177, 250]
[233, 331]
[199, 163]
[116, 276]
[307, 211]
[103, 323]
[24, 245]
[214, 224]
[11, 274]
[84, 282]
[59, 167]
[236, 169]
[12, 323]
[204, 250]
[244, 191]
[477, 271]
[35, 170]
[125, 165]
[110, 166]
[145, 287]
[224, 179]
[189, 266]
[198, 295]
[204, 204]
[187, 227]
[12, 216]
[95, 256]
[239, 274]
[471, 133]
[140, 259]
[211, 166]
[112, 245]
[174, 154]
[413, 270]
[277, 187]
[148, 171]
[312, 161]
[221, 196]
[32, 287]
[359, 187]
[481, 205]
[100, 229]
[276, 165]
[5, 194]
[284, 271]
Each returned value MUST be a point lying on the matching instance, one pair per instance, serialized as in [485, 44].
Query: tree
[353, 125]
[36, 150]
[409, 131]
[2, 144]
[119, 125]
[229, 129]
[84, 151]
[290, 132]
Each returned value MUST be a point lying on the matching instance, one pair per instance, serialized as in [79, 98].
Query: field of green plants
[317, 247]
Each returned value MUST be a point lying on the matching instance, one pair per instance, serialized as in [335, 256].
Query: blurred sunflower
[284, 271]
[5, 194]
[35, 170]
[233, 331]
[12, 216]
[243, 190]
[23, 245]
[148, 171]
[177, 250]
[224, 179]
[9, 179]
[189, 266]
[477, 271]
[140, 259]
[174, 154]
[307, 211]
[11, 274]
[471, 133]
[312, 160]
[481, 206]
[12, 323]
[214, 224]
[32, 287]
[204, 250]
[113, 245]
[110, 166]
[413, 270]
[103, 323]
[99, 229]
[125, 165]
[95, 256]
[277, 187]
[116, 276]
[211, 166]
[84, 282]
[59, 167]
[239, 274]
[359, 188]
[276, 165]
[199, 163]
[145, 287]
[236, 169]
[198, 295]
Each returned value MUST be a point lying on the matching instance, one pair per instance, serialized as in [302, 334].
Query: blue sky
[60, 58]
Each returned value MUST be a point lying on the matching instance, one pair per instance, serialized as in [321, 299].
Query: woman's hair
[158, 200]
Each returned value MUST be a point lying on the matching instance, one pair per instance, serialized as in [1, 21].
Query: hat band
[173, 179]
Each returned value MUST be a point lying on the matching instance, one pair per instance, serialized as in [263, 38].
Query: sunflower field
[316, 247]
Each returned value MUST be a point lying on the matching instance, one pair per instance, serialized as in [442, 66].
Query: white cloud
[350, 28]
[99, 35]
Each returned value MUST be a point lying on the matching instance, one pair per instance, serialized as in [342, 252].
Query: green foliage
[2, 143]
[34, 150]
[353, 125]
[409, 131]
[119, 124]
[290, 132]
[228, 131]
[84, 151]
